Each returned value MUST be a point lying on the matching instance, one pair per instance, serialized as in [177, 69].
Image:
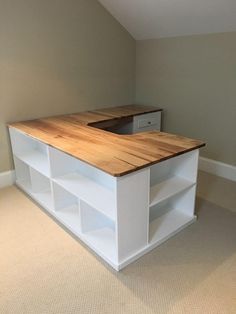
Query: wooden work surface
[115, 154]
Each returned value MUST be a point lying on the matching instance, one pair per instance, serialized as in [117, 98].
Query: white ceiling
[146, 19]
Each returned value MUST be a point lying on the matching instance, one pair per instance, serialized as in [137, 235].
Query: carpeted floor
[43, 269]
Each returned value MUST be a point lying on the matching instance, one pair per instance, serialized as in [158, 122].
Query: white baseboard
[7, 178]
[218, 168]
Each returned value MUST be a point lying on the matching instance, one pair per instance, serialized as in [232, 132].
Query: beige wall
[194, 79]
[60, 56]
[65, 56]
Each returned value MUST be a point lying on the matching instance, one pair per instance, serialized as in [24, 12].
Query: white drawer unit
[147, 122]
[131, 125]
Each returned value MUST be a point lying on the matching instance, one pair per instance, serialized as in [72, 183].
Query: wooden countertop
[115, 154]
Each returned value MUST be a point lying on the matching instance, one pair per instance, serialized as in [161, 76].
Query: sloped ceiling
[145, 19]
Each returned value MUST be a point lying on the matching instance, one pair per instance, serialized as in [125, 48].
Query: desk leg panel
[132, 213]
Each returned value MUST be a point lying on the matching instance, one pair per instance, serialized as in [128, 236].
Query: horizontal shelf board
[36, 160]
[167, 224]
[69, 216]
[102, 241]
[168, 188]
[89, 191]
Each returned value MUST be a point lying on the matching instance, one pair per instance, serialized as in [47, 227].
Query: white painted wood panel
[132, 212]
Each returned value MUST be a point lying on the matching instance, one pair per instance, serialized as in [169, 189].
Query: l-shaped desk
[110, 177]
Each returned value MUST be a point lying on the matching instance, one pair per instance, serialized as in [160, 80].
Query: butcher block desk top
[113, 153]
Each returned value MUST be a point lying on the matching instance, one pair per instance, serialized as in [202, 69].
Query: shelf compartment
[67, 208]
[168, 188]
[30, 151]
[168, 225]
[34, 183]
[98, 232]
[85, 182]
[23, 178]
[183, 166]
[37, 160]
[91, 192]
[41, 189]
[69, 216]
[171, 216]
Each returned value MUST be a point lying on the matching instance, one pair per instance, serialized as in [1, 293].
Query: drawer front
[147, 122]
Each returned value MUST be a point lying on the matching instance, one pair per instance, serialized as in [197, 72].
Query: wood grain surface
[115, 154]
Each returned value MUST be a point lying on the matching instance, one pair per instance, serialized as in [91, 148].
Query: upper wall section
[59, 57]
[193, 79]
[167, 18]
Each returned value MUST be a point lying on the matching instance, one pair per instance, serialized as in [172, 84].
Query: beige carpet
[217, 190]
[43, 269]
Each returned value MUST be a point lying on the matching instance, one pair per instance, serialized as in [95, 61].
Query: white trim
[218, 168]
[7, 178]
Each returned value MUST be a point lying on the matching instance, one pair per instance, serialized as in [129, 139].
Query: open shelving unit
[89, 191]
[79, 196]
[85, 200]
[119, 218]
[31, 151]
[170, 216]
[172, 196]
[84, 182]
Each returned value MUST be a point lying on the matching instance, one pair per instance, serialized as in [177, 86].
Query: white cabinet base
[119, 218]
